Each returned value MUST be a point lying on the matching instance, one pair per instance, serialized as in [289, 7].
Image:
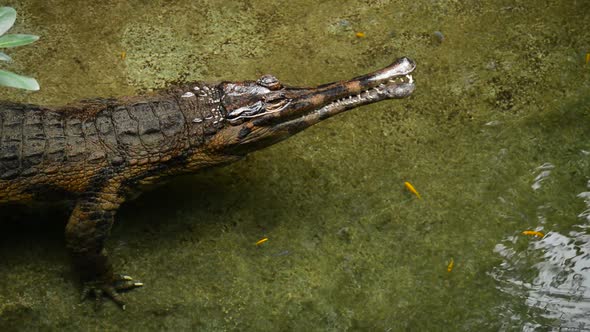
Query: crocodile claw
[99, 288]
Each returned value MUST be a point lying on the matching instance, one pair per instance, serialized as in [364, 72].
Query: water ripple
[551, 276]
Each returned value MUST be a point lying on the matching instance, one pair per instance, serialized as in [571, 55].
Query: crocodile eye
[270, 82]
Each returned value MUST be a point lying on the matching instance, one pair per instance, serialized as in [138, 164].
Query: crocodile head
[260, 113]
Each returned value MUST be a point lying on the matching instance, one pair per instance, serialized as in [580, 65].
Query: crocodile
[99, 152]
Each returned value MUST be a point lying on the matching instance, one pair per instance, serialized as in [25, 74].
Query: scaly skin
[97, 152]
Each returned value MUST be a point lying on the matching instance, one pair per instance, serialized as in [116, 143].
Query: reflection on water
[550, 275]
[545, 171]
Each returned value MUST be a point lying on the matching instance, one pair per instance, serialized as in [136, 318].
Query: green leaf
[17, 81]
[7, 18]
[4, 57]
[16, 40]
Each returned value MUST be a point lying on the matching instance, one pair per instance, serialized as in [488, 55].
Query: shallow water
[496, 139]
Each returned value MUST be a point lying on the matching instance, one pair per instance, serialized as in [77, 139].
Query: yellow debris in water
[450, 266]
[360, 34]
[261, 241]
[534, 233]
[587, 58]
[123, 55]
[412, 189]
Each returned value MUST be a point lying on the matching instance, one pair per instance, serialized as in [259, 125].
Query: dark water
[496, 139]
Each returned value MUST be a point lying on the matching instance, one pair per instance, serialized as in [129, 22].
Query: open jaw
[270, 102]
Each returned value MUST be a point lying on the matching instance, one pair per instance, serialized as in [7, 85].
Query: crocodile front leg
[86, 231]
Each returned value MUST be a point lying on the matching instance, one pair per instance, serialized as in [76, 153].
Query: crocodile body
[96, 153]
[63, 153]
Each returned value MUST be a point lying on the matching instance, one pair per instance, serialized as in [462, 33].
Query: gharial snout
[283, 103]
[396, 79]
[393, 81]
[264, 112]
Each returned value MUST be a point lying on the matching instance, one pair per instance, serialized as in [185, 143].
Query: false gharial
[97, 153]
